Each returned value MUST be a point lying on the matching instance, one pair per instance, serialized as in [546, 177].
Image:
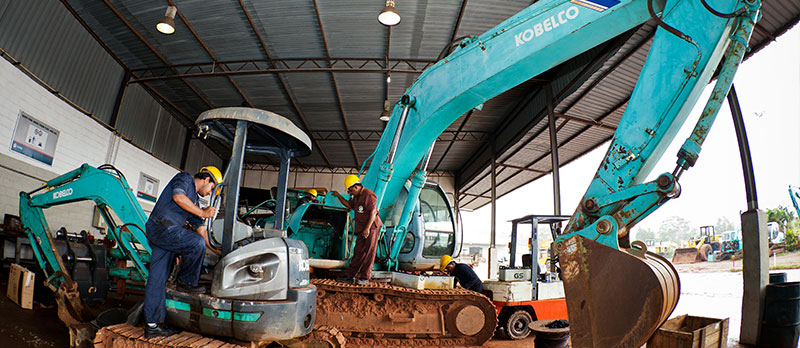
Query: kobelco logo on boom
[546, 25]
[62, 193]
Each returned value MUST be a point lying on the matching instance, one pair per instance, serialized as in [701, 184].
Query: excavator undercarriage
[380, 314]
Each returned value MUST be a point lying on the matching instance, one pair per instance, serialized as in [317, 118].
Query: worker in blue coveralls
[463, 273]
[175, 228]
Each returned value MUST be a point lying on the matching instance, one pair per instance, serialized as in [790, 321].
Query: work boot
[361, 281]
[158, 331]
[199, 289]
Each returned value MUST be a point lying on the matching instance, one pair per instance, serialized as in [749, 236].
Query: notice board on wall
[34, 139]
[148, 187]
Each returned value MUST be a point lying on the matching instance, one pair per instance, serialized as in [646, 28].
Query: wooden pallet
[127, 336]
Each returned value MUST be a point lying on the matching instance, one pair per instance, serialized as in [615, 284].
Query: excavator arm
[693, 39]
[109, 190]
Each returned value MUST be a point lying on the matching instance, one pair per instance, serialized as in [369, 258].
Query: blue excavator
[617, 292]
[695, 41]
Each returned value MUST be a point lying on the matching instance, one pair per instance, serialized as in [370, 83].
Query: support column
[283, 183]
[755, 246]
[118, 100]
[493, 266]
[534, 258]
[755, 273]
[233, 182]
[551, 120]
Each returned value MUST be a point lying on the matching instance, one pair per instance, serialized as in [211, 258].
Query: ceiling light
[388, 78]
[389, 16]
[385, 116]
[167, 25]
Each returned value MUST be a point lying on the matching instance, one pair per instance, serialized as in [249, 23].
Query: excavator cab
[433, 231]
[260, 289]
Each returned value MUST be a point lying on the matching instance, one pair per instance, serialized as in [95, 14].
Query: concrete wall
[81, 140]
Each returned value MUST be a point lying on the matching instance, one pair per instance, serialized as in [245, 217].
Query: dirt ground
[726, 266]
[707, 289]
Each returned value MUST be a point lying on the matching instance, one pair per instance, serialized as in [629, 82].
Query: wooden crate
[687, 331]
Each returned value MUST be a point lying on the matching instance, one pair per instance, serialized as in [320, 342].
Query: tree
[644, 234]
[781, 215]
[723, 225]
[675, 229]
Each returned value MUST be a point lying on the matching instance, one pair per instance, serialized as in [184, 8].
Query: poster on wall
[148, 187]
[34, 139]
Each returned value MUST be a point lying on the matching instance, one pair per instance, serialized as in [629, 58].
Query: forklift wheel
[516, 327]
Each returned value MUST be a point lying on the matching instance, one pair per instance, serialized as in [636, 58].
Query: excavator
[260, 272]
[617, 292]
[696, 40]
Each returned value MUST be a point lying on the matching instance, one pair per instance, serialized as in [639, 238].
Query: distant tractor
[698, 249]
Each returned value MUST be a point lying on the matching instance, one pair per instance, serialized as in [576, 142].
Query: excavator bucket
[686, 255]
[615, 298]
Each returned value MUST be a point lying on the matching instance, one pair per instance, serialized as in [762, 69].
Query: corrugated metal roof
[44, 38]
[593, 87]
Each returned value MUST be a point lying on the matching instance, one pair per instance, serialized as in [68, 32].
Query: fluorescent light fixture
[167, 25]
[389, 15]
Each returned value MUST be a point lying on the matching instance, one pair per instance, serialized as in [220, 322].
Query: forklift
[520, 295]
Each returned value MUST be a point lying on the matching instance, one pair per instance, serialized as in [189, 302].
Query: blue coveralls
[167, 236]
[467, 277]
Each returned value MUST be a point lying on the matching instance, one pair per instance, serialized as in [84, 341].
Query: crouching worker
[169, 235]
[464, 274]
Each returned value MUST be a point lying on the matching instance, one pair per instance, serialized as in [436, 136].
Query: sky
[768, 87]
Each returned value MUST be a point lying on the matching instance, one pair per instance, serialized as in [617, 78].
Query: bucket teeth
[615, 298]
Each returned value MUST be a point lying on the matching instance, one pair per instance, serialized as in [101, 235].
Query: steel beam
[283, 82]
[450, 144]
[153, 49]
[281, 66]
[744, 151]
[576, 135]
[210, 54]
[551, 126]
[118, 100]
[336, 86]
[603, 54]
[375, 135]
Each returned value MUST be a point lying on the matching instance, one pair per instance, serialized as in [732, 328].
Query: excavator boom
[693, 39]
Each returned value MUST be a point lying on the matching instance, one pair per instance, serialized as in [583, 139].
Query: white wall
[81, 140]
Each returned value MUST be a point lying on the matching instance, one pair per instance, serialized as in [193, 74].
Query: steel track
[375, 327]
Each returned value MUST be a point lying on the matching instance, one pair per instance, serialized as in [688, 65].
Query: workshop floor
[706, 293]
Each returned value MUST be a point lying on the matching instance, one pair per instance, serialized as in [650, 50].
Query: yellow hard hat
[313, 193]
[215, 173]
[444, 261]
[351, 180]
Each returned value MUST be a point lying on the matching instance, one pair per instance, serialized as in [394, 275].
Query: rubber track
[356, 338]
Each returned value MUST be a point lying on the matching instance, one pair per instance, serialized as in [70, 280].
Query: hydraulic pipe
[399, 131]
[400, 229]
[387, 167]
[687, 156]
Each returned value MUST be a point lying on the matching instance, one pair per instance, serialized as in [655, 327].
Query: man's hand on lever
[204, 232]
